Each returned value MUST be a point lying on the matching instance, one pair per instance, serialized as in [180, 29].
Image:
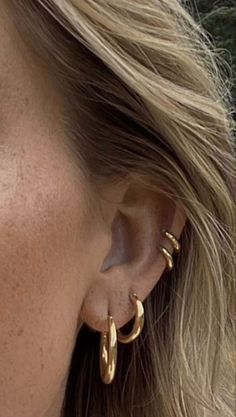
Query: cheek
[42, 282]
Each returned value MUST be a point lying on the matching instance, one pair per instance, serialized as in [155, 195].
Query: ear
[135, 218]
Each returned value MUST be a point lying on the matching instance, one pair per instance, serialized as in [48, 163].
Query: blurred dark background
[218, 18]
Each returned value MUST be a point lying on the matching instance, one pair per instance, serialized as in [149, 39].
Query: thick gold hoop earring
[138, 323]
[108, 352]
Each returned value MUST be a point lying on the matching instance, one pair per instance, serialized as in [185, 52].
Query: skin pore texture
[59, 264]
[43, 228]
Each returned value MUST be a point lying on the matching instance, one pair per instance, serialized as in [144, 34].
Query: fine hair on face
[145, 99]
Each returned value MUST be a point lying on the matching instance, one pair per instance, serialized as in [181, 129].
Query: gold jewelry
[168, 257]
[176, 245]
[108, 352]
[108, 341]
[138, 323]
[174, 241]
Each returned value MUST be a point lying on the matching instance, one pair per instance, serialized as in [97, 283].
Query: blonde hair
[145, 97]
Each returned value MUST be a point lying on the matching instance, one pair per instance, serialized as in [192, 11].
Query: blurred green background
[218, 18]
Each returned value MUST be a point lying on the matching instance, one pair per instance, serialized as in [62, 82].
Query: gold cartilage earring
[168, 257]
[176, 245]
[138, 323]
[108, 352]
[173, 240]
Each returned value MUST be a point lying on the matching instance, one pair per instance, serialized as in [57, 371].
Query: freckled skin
[40, 220]
[44, 238]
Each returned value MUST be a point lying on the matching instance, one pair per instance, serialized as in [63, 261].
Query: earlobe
[146, 230]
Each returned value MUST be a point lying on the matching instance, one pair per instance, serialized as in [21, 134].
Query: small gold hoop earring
[175, 243]
[138, 323]
[168, 257]
[108, 352]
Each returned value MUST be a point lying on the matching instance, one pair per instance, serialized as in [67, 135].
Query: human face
[52, 245]
[45, 236]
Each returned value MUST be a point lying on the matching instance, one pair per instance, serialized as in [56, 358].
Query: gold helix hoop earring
[173, 240]
[138, 323]
[176, 245]
[108, 352]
